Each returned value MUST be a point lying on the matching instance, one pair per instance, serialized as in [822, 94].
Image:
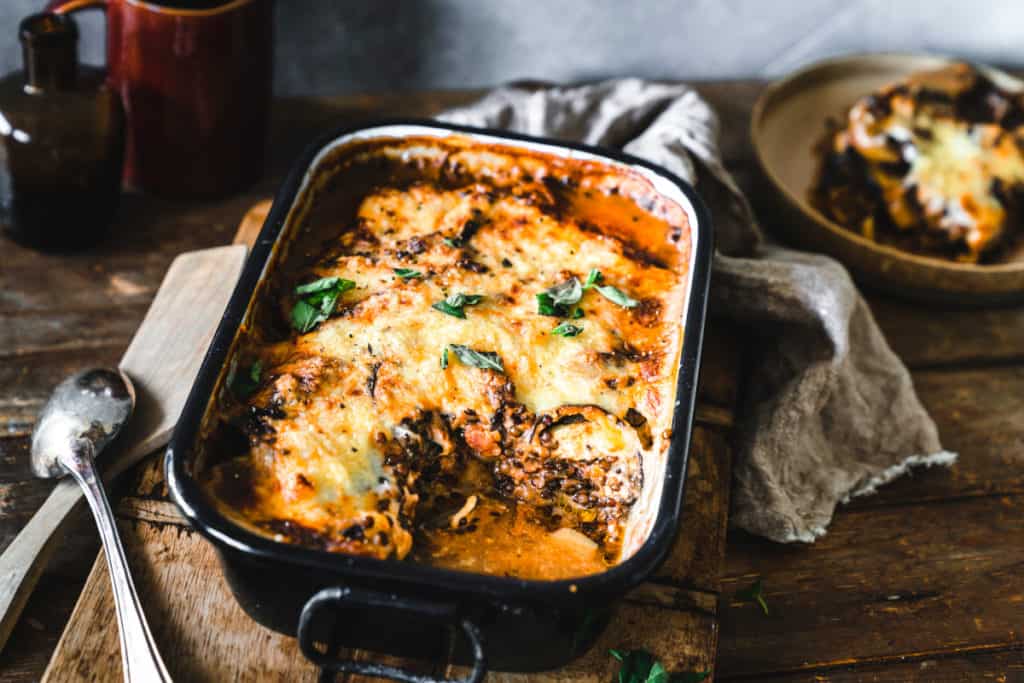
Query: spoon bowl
[86, 410]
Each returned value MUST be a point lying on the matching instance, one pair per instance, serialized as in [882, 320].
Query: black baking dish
[410, 609]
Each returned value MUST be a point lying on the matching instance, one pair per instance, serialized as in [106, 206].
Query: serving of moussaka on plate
[464, 355]
[931, 165]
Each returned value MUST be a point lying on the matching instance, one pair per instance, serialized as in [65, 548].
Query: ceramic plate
[789, 119]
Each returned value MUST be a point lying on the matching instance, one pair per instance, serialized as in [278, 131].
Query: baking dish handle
[352, 597]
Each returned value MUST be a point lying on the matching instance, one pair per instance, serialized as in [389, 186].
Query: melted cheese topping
[362, 442]
[935, 162]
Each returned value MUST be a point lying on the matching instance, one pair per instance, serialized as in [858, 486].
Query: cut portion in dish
[467, 357]
[931, 165]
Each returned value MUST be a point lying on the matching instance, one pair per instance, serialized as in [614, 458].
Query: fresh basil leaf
[545, 306]
[446, 307]
[593, 277]
[485, 360]
[318, 300]
[444, 359]
[454, 304]
[465, 299]
[566, 293]
[616, 296]
[636, 665]
[407, 273]
[640, 666]
[755, 593]
[321, 285]
[313, 310]
[657, 674]
[567, 330]
[305, 317]
[325, 301]
[557, 300]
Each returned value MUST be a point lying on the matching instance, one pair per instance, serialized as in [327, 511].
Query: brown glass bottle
[61, 142]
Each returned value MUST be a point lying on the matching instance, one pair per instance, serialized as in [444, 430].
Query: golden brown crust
[932, 165]
[359, 441]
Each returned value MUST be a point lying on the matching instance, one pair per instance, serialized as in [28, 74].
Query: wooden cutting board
[204, 635]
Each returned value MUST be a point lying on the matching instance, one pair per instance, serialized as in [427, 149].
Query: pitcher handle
[69, 6]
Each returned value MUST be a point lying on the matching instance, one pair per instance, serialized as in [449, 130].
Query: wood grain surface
[919, 583]
[163, 355]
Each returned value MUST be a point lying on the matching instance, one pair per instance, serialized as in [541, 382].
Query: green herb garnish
[407, 273]
[324, 284]
[318, 300]
[640, 666]
[558, 301]
[453, 243]
[485, 360]
[566, 293]
[613, 294]
[754, 594]
[545, 306]
[691, 676]
[454, 304]
[245, 385]
[567, 330]
[616, 296]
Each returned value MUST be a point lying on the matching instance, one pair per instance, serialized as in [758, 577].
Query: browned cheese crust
[374, 433]
[932, 165]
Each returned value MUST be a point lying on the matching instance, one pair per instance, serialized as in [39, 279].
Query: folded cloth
[829, 412]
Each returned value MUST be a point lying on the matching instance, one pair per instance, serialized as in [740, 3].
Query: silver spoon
[85, 413]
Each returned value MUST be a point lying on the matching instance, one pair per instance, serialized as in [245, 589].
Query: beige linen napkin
[830, 411]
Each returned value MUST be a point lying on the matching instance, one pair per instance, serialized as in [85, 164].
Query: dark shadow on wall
[337, 47]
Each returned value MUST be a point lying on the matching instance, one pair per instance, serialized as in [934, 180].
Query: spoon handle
[141, 658]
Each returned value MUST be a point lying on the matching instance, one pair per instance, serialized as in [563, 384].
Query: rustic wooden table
[921, 582]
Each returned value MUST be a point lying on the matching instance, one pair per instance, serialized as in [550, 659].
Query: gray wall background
[327, 47]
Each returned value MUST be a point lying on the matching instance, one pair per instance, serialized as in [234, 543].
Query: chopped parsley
[640, 666]
[454, 304]
[317, 301]
[565, 329]
[485, 360]
[407, 273]
[454, 243]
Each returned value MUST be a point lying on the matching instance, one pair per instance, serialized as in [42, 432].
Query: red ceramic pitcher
[195, 78]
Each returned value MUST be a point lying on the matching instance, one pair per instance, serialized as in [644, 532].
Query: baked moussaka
[931, 165]
[466, 355]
